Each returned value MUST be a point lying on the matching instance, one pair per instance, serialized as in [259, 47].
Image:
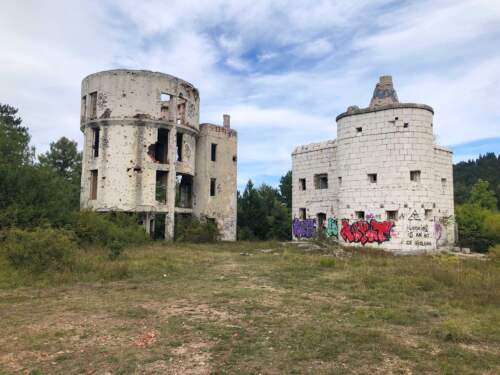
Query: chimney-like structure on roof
[226, 120]
[384, 93]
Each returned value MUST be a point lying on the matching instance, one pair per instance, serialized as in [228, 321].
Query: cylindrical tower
[140, 130]
[387, 173]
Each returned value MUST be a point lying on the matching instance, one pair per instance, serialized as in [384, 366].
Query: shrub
[494, 253]
[191, 229]
[115, 249]
[112, 231]
[473, 228]
[246, 234]
[40, 250]
[327, 261]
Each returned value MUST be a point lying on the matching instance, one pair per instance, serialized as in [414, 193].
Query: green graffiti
[332, 229]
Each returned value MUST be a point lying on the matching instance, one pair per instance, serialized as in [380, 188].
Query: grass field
[234, 309]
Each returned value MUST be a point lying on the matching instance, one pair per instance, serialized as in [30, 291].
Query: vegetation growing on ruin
[252, 307]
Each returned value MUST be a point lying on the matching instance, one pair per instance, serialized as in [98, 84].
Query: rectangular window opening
[179, 146]
[443, 183]
[184, 191]
[212, 222]
[161, 186]
[302, 213]
[213, 183]
[321, 218]
[95, 141]
[359, 130]
[360, 214]
[213, 152]
[161, 149]
[93, 105]
[302, 184]
[391, 215]
[415, 176]
[181, 113]
[93, 184]
[165, 105]
[321, 181]
[372, 178]
[340, 180]
[405, 125]
[84, 108]
[428, 214]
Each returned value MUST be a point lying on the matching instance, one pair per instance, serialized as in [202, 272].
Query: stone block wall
[389, 185]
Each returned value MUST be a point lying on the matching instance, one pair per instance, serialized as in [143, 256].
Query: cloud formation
[282, 69]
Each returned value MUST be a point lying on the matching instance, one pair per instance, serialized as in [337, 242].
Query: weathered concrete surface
[138, 116]
[222, 205]
[389, 185]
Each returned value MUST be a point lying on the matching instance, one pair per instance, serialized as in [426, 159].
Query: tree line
[41, 226]
[467, 173]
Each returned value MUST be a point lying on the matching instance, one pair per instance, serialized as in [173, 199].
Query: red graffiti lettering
[345, 232]
[364, 232]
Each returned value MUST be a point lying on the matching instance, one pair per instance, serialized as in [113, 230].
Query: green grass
[187, 308]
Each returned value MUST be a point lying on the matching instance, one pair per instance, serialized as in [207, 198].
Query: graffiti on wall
[419, 235]
[414, 216]
[332, 229]
[303, 228]
[363, 231]
[438, 231]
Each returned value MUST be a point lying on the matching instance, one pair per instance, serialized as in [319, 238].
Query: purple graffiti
[438, 231]
[304, 228]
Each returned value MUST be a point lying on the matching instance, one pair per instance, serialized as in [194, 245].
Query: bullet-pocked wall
[216, 174]
[141, 130]
[386, 183]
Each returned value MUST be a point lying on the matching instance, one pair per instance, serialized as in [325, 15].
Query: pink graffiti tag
[363, 232]
[438, 231]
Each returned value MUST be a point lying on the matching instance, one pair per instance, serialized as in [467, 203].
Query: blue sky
[283, 70]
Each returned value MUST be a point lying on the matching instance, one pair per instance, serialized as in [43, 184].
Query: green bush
[494, 253]
[191, 229]
[327, 261]
[115, 249]
[246, 234]
[113, 231]
[40, 250]
[476, 227]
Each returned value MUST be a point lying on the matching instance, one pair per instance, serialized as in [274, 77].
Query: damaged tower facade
[146, 152]
[383, 182]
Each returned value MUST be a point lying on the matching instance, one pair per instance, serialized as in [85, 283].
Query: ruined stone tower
[146, 152]
[383, 182]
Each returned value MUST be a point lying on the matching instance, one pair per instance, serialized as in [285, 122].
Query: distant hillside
[466, 173]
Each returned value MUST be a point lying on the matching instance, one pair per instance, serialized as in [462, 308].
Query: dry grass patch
[200, 309]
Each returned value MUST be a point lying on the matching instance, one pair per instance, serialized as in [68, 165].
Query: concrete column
[172, 109]
[170, 215]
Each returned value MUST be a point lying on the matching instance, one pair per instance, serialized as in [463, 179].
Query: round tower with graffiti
[383, 182]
